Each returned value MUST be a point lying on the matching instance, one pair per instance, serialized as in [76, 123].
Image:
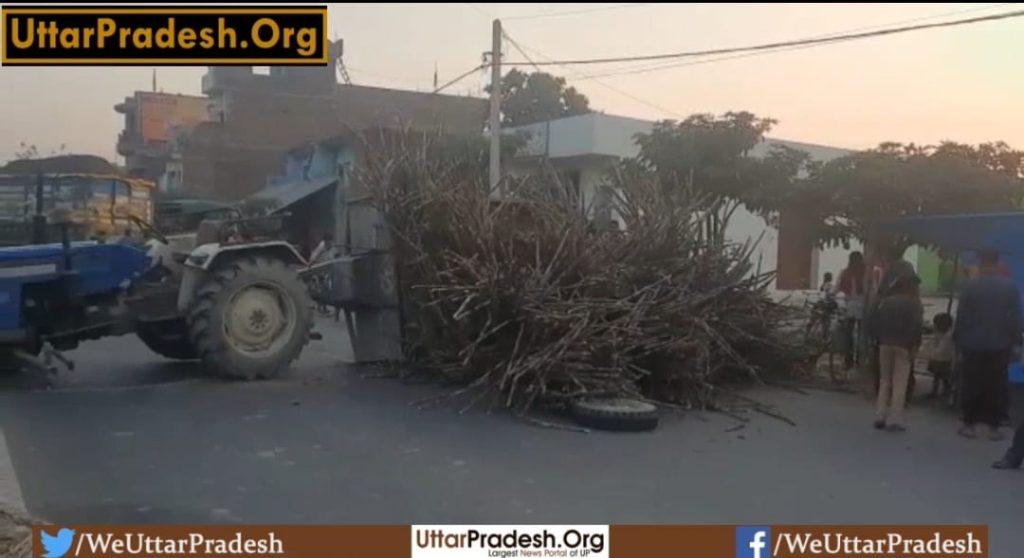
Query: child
[828, 288]
[940, 352]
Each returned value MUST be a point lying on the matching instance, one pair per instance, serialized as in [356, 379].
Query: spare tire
[619, 414]
[168, 339]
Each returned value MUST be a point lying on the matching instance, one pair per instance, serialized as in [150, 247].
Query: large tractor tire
[169, 339]
[250, 319]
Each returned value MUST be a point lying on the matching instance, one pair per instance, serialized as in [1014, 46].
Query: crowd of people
[967, 354]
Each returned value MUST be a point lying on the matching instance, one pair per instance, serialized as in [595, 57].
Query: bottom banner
[512, 541]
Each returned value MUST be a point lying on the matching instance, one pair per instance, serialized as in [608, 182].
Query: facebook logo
[753, 542]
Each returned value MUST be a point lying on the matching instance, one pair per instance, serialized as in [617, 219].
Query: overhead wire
[775, 45]
[522, 48]
[460, 77]
[835, 35]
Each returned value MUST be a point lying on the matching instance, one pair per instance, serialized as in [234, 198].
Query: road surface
[134, 438]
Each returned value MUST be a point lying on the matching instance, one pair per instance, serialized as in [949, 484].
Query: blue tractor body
[235, 300]
[45, 288]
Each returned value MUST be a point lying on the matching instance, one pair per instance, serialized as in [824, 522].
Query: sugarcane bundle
[532, 296]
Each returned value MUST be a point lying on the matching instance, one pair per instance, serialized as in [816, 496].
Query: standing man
[896, 274]
[897, 271]
[988, 327]
[895, 321]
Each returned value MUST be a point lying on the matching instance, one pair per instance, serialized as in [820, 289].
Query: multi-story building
[151, 123]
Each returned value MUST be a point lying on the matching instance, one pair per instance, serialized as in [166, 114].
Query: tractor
[230, 295]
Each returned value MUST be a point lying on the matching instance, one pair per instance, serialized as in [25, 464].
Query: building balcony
[127, 143]
[132, 145]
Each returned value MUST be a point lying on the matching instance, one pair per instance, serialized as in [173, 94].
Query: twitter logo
[58, 546]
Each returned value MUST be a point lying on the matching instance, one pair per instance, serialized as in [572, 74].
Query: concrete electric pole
[495, 121]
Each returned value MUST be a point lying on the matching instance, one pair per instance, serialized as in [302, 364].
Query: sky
[963, 84]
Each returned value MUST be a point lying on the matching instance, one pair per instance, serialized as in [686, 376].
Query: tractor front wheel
[168, 339]
[251, 319]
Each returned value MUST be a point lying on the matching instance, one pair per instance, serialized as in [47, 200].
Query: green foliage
[846, 196]
[842, 198]
[539, 96]
[709, 156]
[30, 151]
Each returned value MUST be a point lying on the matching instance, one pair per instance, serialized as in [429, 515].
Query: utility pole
[495, 121]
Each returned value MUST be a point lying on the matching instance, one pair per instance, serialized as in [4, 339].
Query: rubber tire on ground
[169, 339]
[206, 318]
[617, 414]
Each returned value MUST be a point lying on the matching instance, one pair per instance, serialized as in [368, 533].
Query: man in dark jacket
[896, 323]
[988, 327]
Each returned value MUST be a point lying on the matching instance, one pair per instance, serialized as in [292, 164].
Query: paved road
[135, 438]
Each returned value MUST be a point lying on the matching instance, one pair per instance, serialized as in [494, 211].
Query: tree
[710, 156]
[844, 198]
[26, 151]
[705, 152]
[536, 97]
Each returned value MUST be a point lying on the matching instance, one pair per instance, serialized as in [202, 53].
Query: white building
[585, 146]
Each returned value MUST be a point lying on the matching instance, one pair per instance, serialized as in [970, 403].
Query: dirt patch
[15, 535]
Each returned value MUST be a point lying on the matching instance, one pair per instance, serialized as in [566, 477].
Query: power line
[520, 49]
[480, 10]
[834, 36]
[574, 12]
[605, 85]
[460, 78]
[777, 45]
[916, 19]
[693, 63]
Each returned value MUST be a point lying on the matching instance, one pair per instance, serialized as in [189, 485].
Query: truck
[91, 205]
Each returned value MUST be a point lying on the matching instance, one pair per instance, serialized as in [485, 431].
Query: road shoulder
[14, 523]
[11, 500]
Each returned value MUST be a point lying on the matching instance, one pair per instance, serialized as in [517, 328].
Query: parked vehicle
[91, 206]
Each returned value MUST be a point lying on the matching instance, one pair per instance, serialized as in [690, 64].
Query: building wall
[224, 169]
[159, 114]
[592, 142]
[744, 225]
[833, 260]
[151, 121]
[257, 119]
[232, 159]
[929, 268]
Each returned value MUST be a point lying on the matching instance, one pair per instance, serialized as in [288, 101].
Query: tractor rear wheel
[168, 339]
[250, 319]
